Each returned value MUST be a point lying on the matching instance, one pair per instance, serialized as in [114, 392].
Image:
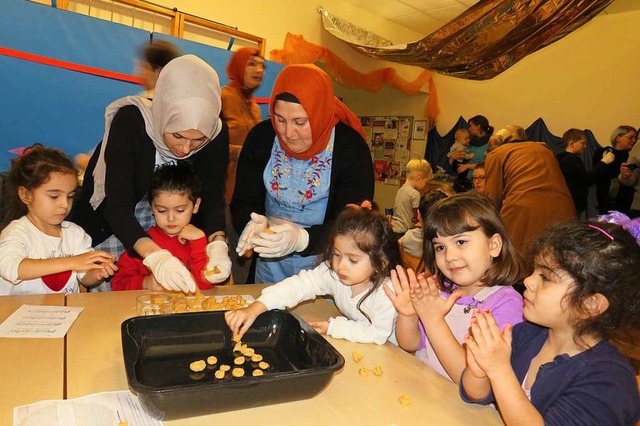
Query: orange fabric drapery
[299, 51]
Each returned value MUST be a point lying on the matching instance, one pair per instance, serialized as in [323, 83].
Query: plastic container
[159, 349]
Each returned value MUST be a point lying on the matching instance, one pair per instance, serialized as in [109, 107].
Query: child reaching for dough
[40, 252]
[173, 194]
[474, 265]
[355, 269]
[558, 368]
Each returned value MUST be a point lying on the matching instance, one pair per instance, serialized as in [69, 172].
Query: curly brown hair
[597, 264]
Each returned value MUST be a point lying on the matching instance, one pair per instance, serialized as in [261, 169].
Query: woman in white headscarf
[181, 124]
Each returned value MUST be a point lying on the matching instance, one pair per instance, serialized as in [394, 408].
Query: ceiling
[426, 16]
[422, 16]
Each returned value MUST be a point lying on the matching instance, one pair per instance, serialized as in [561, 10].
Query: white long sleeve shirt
[21, 239]
[353, 326]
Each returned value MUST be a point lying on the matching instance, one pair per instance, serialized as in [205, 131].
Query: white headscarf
[187, 96]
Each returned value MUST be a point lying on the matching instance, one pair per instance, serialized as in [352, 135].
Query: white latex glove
[608, 157]
[169, 271]
[218, 254]
[253, 228]
[283, 240]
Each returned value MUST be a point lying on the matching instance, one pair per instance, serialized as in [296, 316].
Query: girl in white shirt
[39, 251]
[356, 267]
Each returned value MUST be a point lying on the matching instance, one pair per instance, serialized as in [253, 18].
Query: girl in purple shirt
[474, 264]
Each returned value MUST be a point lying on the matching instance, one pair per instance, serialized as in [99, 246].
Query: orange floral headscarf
[237, 65]
[313, 88]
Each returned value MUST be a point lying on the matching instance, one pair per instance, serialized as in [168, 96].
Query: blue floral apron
[298, 192]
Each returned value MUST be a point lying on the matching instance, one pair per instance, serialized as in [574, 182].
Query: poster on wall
[389, 138]
[420, 130]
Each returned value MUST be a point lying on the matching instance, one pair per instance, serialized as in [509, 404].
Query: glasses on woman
[478, 178]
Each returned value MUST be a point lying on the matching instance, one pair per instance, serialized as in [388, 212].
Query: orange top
[313, 88]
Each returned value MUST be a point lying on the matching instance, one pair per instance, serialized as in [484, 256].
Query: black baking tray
[158, 350]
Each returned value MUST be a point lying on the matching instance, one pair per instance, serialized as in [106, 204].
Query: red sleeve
[198, 262]
[130, 274]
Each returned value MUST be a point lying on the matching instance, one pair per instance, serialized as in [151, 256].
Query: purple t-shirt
[506, 307]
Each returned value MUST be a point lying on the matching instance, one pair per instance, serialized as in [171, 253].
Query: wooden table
[31, 370]
[94, 364]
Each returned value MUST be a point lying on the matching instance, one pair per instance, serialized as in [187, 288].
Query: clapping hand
[490, 347]
[400, 295]
[426, 298]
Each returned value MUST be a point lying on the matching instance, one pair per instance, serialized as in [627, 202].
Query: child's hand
[458, 155]
[190, 233]
[426, 299]
[320, 326]
[400, 294]
[96, 276]
[472, 365]
[240, 320]
[93, 260]
[491, 348]
[150, 283]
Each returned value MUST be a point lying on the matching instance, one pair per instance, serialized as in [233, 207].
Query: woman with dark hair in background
[480, 132]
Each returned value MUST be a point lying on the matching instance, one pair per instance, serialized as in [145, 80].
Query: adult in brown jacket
[245, 71]
[525, 182]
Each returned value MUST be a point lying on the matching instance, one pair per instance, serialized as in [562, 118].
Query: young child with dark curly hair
[559, 367]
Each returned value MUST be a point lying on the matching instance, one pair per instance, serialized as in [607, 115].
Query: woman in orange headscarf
[245, 71]
[297, 172]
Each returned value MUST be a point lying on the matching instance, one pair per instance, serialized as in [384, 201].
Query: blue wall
[62, 108]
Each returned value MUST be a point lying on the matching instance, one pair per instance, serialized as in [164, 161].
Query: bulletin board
[389, 139]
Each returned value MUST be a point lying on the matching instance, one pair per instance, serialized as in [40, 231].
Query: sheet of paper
[120, 408]
[29, 321]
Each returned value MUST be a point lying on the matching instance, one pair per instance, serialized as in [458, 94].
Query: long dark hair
[373, 235]
[482, 122]
[32, 169]
[467, 212]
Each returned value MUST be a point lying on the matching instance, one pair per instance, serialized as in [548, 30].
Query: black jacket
[130, 158]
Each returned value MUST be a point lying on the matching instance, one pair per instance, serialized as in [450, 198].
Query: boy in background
[412, 240]
[405, 208]
[574, 172]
